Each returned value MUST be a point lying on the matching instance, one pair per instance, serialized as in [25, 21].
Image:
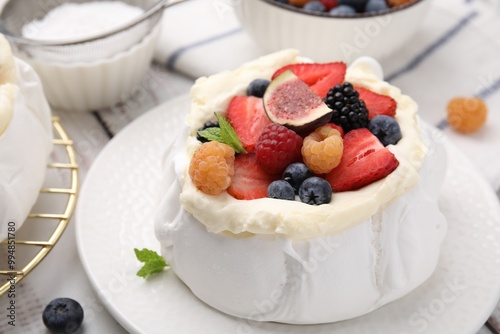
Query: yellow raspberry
[396, 3]
[298, 3]
[466, 114]
[212, 167]
[322, 150]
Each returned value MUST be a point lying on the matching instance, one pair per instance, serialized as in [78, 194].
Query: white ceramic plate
[114, 216]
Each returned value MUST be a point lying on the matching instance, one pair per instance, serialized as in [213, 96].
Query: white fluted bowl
[87, 86]
[323, 37]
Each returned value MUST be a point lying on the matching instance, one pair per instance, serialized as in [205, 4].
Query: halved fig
[290, 102]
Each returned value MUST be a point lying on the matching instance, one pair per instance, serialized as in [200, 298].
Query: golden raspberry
[395, 3]
[466, 114]
[298, 3]
[212, 167]
[322, 150]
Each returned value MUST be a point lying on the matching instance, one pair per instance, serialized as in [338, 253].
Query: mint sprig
[224, 134]
[153, 262]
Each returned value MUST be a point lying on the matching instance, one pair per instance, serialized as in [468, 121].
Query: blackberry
[209, 124]
[348, 110]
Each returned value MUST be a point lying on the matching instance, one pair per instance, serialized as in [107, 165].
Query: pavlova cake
[25, 139]
[305, 193]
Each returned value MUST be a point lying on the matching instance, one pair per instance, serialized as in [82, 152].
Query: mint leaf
[228, 135]
[153, 263]
[212, 134]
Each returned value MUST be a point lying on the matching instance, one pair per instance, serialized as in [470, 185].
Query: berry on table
[296, 173]
[322, 149]
[281, 189]
[348, 110]
[315, 191]
[257, 87]
[277, 148]
[342, 10]
[212, 167]
[63, 315]
[386, 129]
[466, 114]
[207, 125]
[314, 7]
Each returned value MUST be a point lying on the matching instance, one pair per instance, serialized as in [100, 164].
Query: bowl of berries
[332, 29]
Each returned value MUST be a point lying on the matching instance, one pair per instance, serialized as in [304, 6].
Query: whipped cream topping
[295, 219]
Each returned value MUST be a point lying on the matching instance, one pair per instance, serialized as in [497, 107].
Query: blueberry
[315, 191]
[281, 189]
[359, 5]
[375, 5]
[63, 315]
[343, 10]
[385, 128]
[314, 7]
[257, 87]
[296, 173]
[209, 124]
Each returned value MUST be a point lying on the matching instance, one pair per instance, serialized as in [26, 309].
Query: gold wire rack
[63, 143]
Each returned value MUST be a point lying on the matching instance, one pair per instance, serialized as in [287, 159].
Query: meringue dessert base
[324, 279]
[24, 148]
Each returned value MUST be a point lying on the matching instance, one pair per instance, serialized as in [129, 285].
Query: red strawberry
[248, 118]
[336, 127]
[250, 181]
[277, 148]
[365, 160]
[329, 4]
[377, 104]
[320, 77]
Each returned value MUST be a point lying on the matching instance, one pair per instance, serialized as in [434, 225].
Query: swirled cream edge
[7, 87]
[294, 219]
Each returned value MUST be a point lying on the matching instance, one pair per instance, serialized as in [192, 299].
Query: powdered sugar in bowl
[88, 54]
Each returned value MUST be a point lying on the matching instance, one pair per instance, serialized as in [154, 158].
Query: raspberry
[466, 114]
[322, 150]
[212, 167]
[277, 147]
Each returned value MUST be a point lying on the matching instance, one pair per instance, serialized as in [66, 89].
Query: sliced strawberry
[250, 181]
[248, 118]
[377, 104]
[365, 160]
[320, 77]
